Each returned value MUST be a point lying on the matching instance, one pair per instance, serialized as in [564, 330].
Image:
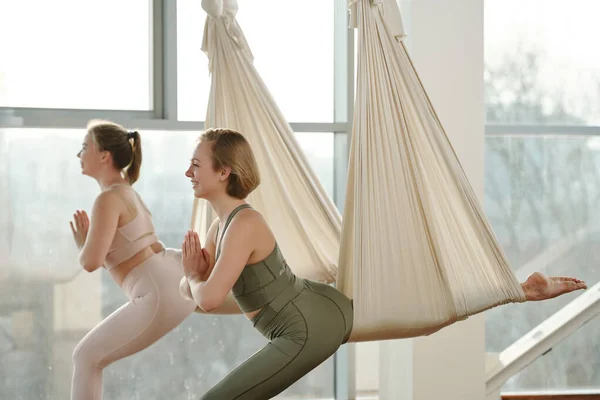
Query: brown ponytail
[132, 173]
[125, 147]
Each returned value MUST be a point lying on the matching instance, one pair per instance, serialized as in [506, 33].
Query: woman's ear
[225, 172]
[105, 156]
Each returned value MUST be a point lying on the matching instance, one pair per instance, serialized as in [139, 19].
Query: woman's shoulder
[109, 195]
[126, 195]
[247, 222]
[249, 216]
[118, 190]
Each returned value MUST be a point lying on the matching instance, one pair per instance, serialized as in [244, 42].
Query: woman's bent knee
[86, 353]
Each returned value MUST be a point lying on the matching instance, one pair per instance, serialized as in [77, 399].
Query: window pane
[193, 80]
[572, 366]
[541, 197]
[540, 64]
[47, 303]
[75, 54]
[294, 56]
[318, 149]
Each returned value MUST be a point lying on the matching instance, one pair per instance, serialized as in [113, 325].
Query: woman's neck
[224, 205]
[111, 178]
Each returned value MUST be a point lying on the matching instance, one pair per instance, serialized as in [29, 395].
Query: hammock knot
[217, 8]
[222, 12]
[389, 11]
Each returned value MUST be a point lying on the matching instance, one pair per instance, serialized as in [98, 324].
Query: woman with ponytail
[121, 238]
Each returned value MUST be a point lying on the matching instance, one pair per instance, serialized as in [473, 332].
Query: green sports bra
[260, 283]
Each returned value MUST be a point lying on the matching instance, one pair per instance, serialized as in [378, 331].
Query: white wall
[446, 44]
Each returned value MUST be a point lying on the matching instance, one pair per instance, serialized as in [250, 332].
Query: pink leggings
[155, 307]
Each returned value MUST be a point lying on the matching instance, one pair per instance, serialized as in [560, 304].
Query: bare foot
[541, 287]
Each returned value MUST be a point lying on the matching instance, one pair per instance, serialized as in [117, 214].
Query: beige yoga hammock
[416, 252]
[305, 221]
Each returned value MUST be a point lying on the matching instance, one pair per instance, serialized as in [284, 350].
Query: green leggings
[303, 331]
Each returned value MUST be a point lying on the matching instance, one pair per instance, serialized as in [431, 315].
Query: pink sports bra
[135, 235]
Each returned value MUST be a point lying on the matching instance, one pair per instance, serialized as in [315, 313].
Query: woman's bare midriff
[120, 271]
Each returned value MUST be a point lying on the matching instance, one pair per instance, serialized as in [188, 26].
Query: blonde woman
[304, 321]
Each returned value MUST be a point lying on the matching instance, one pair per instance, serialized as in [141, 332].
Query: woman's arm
[229, 306]
[184, 286]
[105, 219]
[210, 292]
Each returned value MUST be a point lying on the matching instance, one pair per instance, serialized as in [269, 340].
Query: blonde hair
[231, 149]
[124, 146]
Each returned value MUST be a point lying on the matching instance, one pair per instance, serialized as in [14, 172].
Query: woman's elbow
[208, 304]
[91, 267]
[205, 297]
[88, 264]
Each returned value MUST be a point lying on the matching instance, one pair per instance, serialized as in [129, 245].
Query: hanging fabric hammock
[303, 218]
[417, 251]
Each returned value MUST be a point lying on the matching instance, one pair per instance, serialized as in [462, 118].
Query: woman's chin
[198, 194]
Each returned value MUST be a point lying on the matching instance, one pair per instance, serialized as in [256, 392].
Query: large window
[293, 55]
[75, 54]
[541, 196]
[65, 63]
[48, 303]
[542, 171]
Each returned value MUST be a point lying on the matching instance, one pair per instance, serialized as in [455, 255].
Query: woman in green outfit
[304, 321]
